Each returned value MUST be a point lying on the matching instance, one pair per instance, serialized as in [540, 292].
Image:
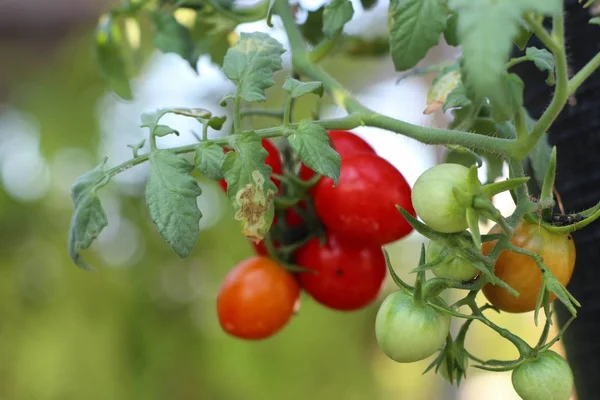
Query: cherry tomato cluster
[326, 239]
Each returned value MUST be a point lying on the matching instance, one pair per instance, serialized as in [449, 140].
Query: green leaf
[163, 130]
[171, 198]
[367, 4]
[172, 37]
[312, 145]
[249, 186]
[595, 21]
[217, 122]
[542, 59]
[457, 98]
[297, 88]
[335, 16]
[89, 217]
[415, 28]
[523, 36]
[450, 32]
[210, 34]
[109, 52]
[486, 29]
[251, 64]
[150, 120]
[539, 158]
[209, 159]
[312, 29]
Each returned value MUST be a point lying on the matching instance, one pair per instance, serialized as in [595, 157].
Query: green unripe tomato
[409, 331]
[434, 201]
[453, 267]
[547, 377]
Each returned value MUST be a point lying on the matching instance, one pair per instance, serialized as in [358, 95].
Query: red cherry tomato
[273, 160]
[345, 143]
[363, 204]
[257, 299]
[345, 275]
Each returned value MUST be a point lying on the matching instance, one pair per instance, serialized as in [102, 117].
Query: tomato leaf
[312, 29]
[415, 26]
[109, 52]
[89, 218]
[171, 198]
[172, 37]
[164, 130]
[249, 186]
[150, 120]
[217, 122]
[297, 88]
[544, 60]
[450, 34]
[442, 85]
[335, 15]
[486, 29]
[251, 64]
[594, 21]
[311, 143]
[523, 36]
[368, 4]
[210, 34]
[457, 98]
[209, 159]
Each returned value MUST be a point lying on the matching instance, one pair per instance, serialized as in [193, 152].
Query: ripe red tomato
[345, 143]
[347, 275]
[520, 271]
[257, 299]
[363, 204]
[273, 160]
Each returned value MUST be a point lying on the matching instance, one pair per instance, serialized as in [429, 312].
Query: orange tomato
[257, 298]
[521, 272]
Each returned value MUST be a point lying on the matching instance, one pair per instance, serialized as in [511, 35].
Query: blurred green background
[143, 325]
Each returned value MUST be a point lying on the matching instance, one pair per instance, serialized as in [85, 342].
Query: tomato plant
[342, 274]
[408, 330]
[257, 299]
[521, 271]
[546, 376]
[331, 185]
[363, 204]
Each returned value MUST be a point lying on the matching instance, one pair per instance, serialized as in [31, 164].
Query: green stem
[514, 61]
[323, 48]
[287, 111]
[261, 113]
[205, 131]
[237, 116]
[583, 74]
[561, 94]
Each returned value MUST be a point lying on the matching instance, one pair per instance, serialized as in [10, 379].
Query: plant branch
[583, 74]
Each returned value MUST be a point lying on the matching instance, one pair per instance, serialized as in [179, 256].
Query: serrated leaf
[312, 145]
[251, 64]
[171, 199]
[543, 60]
[209, 159]
[457, 98]
[163, 130]
[297, 88]
[172, 37]
[109, 52]
[415, 28]
[450, 34]
[595, 21]
[335, 15]
[249, 186]
[89, 218]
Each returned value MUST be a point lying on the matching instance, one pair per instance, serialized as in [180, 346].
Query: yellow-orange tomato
[521, 272]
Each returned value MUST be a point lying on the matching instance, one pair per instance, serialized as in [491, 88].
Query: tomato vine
[490, 124]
